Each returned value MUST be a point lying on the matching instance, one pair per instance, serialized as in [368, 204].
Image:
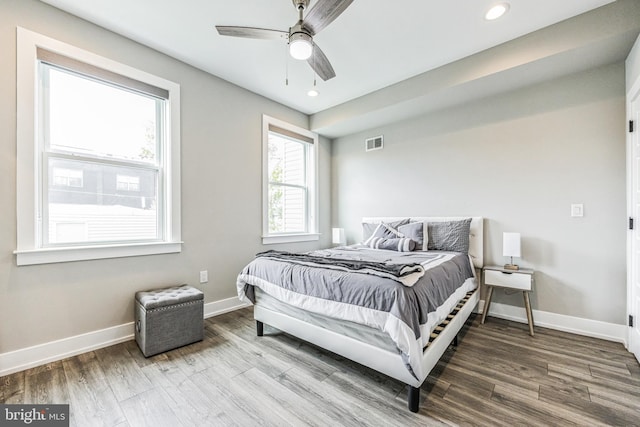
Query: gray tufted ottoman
[168, 318]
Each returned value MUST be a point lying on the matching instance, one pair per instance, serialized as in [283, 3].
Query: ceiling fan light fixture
[496, 11]
[300, 46]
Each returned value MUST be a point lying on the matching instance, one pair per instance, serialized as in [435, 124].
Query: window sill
[289, 238]
[85, 253]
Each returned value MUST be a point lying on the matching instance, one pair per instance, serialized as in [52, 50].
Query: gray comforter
[379, 302]
[406, 273]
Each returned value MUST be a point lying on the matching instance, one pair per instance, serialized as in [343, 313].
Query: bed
[397, 320]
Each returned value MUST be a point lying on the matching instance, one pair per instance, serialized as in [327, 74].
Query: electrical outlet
[204, 276]
[577, 210]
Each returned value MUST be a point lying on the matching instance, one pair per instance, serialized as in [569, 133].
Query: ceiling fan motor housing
[300, 3]
[300, 42]
[299, 32]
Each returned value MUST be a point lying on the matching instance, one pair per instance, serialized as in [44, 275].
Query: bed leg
[259, 328]
[455, 341]
[414, 399]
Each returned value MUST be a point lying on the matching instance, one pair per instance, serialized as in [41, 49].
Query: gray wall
[221, 193]
[633, 64]
[520, 160]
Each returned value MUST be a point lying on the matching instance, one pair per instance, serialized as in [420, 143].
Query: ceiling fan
[300, 36]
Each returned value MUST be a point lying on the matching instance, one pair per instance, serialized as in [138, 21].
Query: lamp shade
[300, 46]
[511, 244]
[338, 236]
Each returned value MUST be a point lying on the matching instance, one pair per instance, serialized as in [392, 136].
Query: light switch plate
[577, 210]
[204, 276]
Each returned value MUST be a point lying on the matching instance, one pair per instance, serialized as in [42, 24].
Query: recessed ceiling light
[313, 92]
[497, 11]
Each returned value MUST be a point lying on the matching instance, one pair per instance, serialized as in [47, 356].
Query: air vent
[374, 143]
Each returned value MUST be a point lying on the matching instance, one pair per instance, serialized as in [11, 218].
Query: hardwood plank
[289, 350]
[334, 408]
[192, 358]
[12, 388]
[150, 408]
[620, 375]
[570, 376]
[627, 405]
[560, 337]
[434, 386]
[209, 385]
[498, 370]
[534, 409]
[362, 389]
[219, 351]
[560, 393]
[450, 413]
[46, 384]
[600, 413]
[508, 388]
[194, 407]
[255, 354]
[122, 372]
[484, 411]
[136, 354]
[538, 345]
[603, 393]
[634, 368]
[339, 402]
[91, 400]
[309, 413]
[248, 407]
[46, 367]
[492, 345]
[459, 377]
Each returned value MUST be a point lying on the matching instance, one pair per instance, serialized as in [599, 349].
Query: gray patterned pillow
[368, 228]
[449, 236]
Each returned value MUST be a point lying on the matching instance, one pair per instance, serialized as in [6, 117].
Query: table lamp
[511, 248]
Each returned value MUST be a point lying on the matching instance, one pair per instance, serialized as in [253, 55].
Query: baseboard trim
[19, 360]
[560, 322]
[217, 308]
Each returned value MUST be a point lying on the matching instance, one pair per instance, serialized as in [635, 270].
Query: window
[67, 177]
[289, 183]
[98, 156]
[127, 183]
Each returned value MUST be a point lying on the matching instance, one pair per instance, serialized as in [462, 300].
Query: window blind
[92, 71]
[290, 134]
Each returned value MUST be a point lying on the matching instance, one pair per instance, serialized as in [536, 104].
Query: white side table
[513, 279]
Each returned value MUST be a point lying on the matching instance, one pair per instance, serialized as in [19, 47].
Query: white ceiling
[373, 44]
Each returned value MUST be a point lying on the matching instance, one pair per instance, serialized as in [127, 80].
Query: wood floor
[498, 375]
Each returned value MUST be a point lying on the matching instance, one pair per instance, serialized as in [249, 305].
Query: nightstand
[513, 279]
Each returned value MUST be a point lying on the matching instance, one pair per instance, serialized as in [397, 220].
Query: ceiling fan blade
[252, 33]
[321, 64]
[324, 13]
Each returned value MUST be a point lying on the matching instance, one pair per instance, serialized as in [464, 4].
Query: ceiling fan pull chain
[286, 62]
[314, 67]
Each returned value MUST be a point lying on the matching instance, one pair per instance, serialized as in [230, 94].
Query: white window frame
[312, 185]
[29, 248]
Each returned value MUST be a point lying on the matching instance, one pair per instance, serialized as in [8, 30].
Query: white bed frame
[381, 360]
